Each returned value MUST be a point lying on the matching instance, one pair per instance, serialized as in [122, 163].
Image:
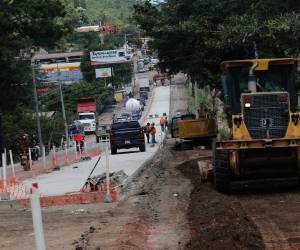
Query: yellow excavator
[263, 146]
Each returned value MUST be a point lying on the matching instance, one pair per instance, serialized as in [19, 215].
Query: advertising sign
[64, 72]
[117, 56]
[104, 72]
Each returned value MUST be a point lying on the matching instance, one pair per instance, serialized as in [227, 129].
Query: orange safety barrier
[19, 191]
[60, 159]
[73, 198]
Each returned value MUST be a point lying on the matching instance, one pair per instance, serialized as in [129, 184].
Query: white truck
[86, 109]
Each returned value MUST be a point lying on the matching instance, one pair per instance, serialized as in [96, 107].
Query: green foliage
[96, 89]
[122, 74]
[195, 36]
[203, 98]
[200, 99]
[23, 121]
[114, 11]
[24, 25]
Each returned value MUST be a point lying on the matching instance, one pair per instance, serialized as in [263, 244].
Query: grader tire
[222, 175]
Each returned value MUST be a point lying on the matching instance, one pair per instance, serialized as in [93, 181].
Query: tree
[25, 24]
[194, 36]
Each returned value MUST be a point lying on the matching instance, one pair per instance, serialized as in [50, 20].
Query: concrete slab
[71, 178]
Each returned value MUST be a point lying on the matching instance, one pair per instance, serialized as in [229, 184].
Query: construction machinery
[188, 128]
[264, 143]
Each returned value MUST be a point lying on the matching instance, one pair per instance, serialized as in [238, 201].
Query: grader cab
[261, 106]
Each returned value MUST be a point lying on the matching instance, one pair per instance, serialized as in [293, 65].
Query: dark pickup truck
[126, 134]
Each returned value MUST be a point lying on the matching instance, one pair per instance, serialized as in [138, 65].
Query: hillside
[114, 11]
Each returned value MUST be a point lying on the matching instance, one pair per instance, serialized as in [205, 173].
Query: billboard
[64, 72]
[117, 56]
[103, 72]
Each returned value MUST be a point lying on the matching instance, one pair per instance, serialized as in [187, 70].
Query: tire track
[276, 222]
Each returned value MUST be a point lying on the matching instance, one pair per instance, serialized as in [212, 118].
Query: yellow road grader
[261, 105]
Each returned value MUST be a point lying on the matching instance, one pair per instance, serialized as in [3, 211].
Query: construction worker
[166, 120]
[162, 122]
[24, 154]
[79, 139]
[147, 132]
[153, 132]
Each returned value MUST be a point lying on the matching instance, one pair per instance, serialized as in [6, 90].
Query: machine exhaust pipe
[252, 79]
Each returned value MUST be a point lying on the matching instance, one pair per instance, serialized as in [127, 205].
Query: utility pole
[63, 109]
[255, 50]
[64, 114]
[37, 115]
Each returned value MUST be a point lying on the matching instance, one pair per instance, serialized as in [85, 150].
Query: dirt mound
[217, 221]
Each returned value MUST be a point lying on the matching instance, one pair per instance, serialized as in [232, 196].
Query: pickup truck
[126, 134]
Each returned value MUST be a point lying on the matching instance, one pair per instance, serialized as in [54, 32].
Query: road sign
[103, 72]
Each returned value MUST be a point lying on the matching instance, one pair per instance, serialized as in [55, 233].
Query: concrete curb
[123, 189]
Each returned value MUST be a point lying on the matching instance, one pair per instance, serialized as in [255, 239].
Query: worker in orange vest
[162, 122]
[79, 139]
[153, 132]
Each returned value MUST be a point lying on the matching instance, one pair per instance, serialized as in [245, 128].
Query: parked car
[140, 66]
[75, 127]
[154, 61]
[136, 115]
[125, 116]
[142, 101]
[126, 134]
[144, 95]
[102, 131]
[146, 60]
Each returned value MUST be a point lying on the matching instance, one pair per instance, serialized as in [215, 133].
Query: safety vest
[162, 120]
[153, 130]
[79, 137]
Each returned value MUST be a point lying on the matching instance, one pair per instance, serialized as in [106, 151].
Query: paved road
[71, 178]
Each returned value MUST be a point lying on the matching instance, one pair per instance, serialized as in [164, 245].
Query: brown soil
[217, 221]
[165, 207]
[276, 213]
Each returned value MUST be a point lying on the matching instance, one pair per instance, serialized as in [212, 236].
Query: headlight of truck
[93, 124]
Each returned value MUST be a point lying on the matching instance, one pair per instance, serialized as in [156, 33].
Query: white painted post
[44, 156]
[5, 154]
[108, 197]
[4, 172]
[80, 154]
[37, 219]
[54, 157]
[12, 164]
[61, 143]
[76, 154]
[66, 154]
[30, 160]
[84, 148]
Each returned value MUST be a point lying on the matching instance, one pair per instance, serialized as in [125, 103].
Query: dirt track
[166, 207]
